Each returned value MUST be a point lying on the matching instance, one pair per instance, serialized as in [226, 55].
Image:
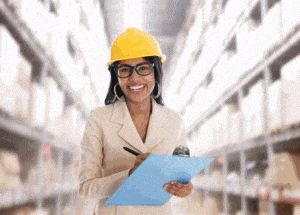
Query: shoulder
[171, 115]
[101, 113]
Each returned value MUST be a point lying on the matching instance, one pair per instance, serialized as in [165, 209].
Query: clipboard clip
[182, 151]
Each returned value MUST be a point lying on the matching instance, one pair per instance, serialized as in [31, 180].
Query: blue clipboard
[145, 184]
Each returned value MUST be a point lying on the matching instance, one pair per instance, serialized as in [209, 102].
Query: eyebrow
[133, 66]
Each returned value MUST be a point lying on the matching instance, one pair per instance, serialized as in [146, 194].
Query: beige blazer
[104, 162]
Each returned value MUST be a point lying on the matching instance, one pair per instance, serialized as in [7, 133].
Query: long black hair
[111, 98]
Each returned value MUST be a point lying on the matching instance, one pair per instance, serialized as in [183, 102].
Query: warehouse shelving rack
[268, 143]
[31, 142]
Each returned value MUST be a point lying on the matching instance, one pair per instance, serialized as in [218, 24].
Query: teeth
[137, 87]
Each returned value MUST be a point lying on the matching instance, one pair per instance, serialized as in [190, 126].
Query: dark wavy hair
[110, 97]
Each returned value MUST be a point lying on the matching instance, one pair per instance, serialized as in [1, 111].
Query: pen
[131, 151]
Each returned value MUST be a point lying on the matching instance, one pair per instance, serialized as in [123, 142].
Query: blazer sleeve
[181, 138]
[91, 180]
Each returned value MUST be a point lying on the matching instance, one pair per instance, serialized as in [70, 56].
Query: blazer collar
[129, 133]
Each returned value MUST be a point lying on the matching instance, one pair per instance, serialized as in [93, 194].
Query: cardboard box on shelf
[296, 210]
[38, 105]
[68, 210]
[41, 212]
[71, 19]
[234, 135]
[43, 26]
[247, 113]
[250, 44]
[290, 15]
[7, 99]
[276, 98]
[234, 8]
[290, 71]
[9, 57]
[56, 99]
[70, 120]
[271, 27]
[264, 207]
[22, 104]
[32, 177]
[25, 70]
[50, 172]
[284, 170]
[212, 206]
[24, 9]
[30, 211]
[10, 169]
[291, 92]
[252, 107]
[10, 162]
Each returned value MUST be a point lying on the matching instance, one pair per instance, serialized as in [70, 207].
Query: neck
[139, 109]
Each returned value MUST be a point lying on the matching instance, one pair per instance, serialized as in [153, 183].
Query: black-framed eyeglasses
[143, 69]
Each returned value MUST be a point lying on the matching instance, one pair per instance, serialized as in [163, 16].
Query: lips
[136, 87]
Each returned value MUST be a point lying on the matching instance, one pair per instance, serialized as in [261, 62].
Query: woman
[134, 117]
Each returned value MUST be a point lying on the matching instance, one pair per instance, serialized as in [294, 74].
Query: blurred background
[232, 71]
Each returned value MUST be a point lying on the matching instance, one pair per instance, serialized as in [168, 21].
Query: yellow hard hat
[134, 43]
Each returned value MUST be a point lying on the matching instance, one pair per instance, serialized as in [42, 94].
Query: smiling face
[137, 88]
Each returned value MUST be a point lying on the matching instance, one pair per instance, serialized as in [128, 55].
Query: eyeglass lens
[142, 69]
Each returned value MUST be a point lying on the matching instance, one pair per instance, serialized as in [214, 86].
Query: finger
[184, 191]
[178, 192]
[177, 184]
[144, 156]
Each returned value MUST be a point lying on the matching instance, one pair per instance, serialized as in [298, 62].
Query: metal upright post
[40, 161]
[243, 182]
[226, 198]
[59, 184]
[270, 151]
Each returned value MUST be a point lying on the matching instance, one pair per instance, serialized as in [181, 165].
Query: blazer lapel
[128, 132]
[155, 131]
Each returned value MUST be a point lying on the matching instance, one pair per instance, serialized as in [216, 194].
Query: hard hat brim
[162, 58]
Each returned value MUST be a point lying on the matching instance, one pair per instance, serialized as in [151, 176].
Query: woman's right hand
[139, 159]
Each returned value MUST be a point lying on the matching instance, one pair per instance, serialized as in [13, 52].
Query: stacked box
[290, 15]
[284, 169]
[271, 27]
[233, 9]
[232, 124]
[252, 107]
[212, 206]
[30, 211]
[207, 10]
[38, 105]
[206, 137]
[291, 92]
[10, 170]
[71, 19]
[55, 107]
[58, 47]
[220, 75]
[43, 25]
[50, 172]
[250, 44]
[70, 120]
[290, 74]
[276, 97]
[296, 210]
[24, 71]
[22, 100]
[264, 207]
[9, 57]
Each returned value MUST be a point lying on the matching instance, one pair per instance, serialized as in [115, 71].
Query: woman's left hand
[177, 189]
